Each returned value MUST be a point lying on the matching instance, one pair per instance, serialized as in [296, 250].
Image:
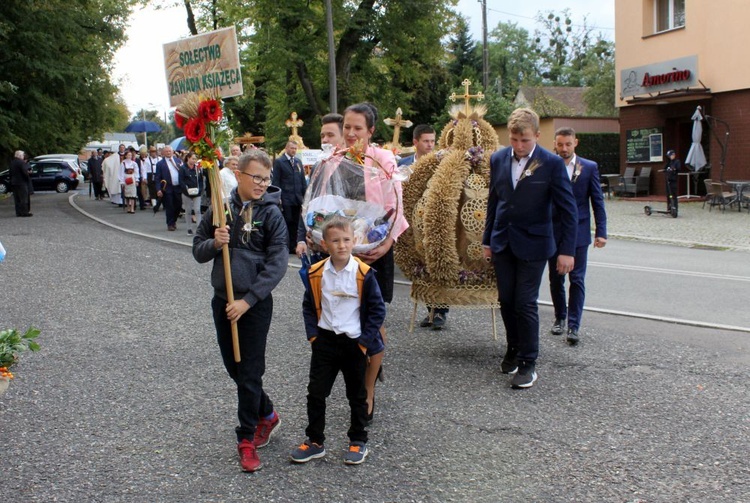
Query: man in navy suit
[167, 180]
[526, 183]
[584, 177]
[289, 176]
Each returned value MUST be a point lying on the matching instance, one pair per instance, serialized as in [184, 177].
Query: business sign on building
[671, 75]
[208, 63]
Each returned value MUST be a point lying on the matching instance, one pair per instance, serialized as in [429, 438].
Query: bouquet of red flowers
[202, 119]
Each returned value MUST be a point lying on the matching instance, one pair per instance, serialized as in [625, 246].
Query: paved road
[128, 400]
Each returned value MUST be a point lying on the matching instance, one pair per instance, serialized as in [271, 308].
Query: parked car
[47, 174]
[81, 174]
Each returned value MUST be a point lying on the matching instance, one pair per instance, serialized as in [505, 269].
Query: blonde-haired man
[527, 183]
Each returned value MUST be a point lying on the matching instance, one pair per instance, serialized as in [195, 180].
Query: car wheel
[62, 187]
[3, 188]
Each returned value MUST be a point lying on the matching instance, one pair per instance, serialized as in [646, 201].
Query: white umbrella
[696, 158]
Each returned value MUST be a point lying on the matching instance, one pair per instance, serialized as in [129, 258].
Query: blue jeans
[252, 328]
[518, 283]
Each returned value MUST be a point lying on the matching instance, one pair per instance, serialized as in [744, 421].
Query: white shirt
[340, 300]
[518, 165]
[129, 164]
[148, 165]
[228, 182]
[571, 166]
[173, 171]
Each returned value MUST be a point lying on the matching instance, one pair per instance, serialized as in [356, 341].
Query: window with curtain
[670, 14]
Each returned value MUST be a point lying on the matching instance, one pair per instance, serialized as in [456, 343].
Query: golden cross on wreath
[397, 123]
[293, 123]
[466, 96]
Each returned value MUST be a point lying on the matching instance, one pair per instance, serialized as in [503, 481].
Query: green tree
[55, 60]
[387, 52]
[513, 61]
[465, 55]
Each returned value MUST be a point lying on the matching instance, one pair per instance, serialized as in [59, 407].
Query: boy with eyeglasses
[257, 239]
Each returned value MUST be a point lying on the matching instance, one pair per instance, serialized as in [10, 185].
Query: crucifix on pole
[466, 96]
[294, 123]
[397, 123]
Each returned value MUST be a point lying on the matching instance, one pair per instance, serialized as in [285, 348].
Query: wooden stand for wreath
[473, 297]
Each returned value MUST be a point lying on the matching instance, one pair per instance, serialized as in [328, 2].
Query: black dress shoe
[26, 215]
[557, 328]
[572, 336]
[425, 322]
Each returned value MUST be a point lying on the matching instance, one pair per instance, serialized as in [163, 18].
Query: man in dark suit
[20, 183]
[584, 177]
[289, 176]
[167, 179]
[526, 183]
[96, 175]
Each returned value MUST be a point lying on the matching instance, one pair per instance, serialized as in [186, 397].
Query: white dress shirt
[518, 165]
[340, 300]
[173, 171]
[148, 165]
[571, 166]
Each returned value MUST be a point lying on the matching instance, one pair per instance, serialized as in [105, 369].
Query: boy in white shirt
[343, 311]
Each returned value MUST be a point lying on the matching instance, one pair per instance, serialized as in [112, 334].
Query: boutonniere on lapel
[529, 171]
[577, 171]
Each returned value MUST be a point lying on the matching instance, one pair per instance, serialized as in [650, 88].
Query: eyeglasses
[259, 180]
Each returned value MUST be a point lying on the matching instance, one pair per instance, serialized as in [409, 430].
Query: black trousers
[291, 217]
[172, 205]
[252, 328]
[518, 282]
[332, 353]
[672, 201]
[21, 198]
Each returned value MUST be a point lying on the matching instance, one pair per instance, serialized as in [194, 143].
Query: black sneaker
[425, 322]
[572, 337]
[557, 328]
[509, 365]
[525, 377]
[438, 321]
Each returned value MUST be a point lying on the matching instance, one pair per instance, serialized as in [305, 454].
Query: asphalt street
[128, 399]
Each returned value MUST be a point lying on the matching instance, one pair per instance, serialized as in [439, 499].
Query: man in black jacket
[20, 181]
[289, 176]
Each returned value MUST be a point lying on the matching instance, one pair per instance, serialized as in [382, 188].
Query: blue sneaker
[356, 454]
[307, 451]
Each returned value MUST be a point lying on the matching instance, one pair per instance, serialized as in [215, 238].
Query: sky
[139, 69]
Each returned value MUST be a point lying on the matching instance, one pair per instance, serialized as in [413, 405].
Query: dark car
[47, 174]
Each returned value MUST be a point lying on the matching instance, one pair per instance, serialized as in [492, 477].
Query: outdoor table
[739, 186]
[609, 179]
[687, 182]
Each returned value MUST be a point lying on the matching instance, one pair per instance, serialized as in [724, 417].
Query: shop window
[669, 14]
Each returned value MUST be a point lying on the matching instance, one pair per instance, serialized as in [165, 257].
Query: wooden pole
[217, 206]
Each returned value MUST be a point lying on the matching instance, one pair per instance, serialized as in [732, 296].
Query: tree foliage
[55, 87]
[393, 53]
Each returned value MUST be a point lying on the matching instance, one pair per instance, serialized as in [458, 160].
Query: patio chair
[720, 197]
[627, 177]
[638, 184]
[709, 196]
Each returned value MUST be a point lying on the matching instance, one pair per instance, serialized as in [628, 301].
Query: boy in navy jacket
[343, 311]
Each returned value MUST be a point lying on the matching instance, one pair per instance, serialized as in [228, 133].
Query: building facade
[673, 56]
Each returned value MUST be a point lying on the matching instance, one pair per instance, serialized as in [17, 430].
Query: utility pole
[485, 52]
[333, 99]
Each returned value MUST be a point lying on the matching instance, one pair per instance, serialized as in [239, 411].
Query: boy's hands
[221, 237]
[237, 309]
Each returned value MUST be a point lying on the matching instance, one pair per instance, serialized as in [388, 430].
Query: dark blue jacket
[587, 189]
[163, 178]
[371, 307]
[521, 218]
[290, 178]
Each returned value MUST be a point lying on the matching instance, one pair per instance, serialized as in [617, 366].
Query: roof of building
[553, 101]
